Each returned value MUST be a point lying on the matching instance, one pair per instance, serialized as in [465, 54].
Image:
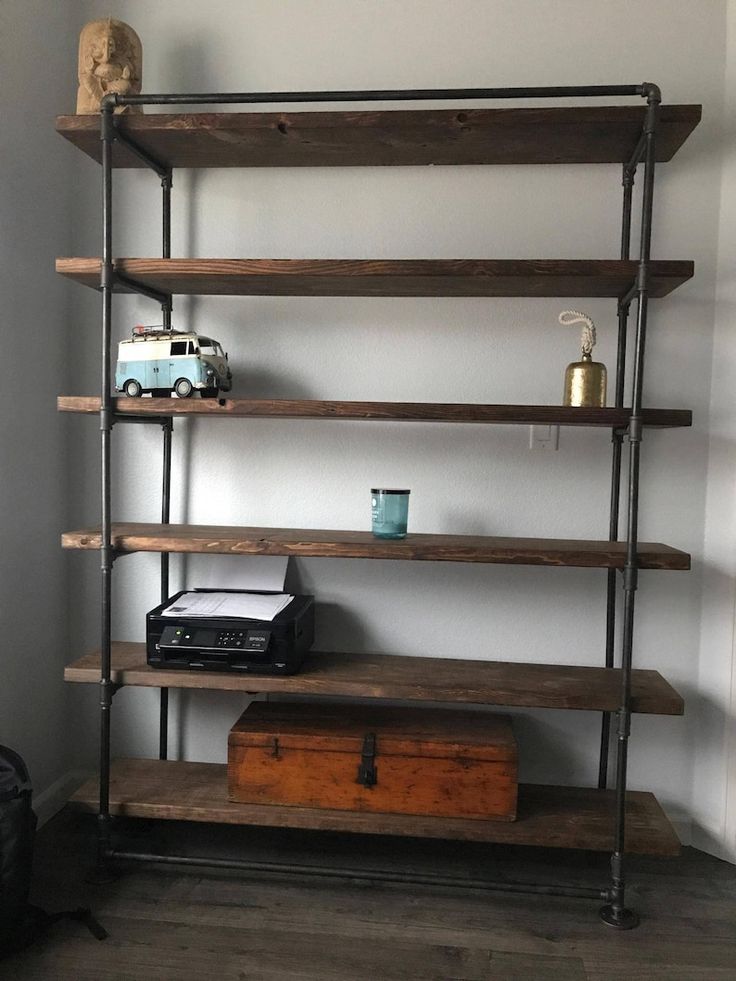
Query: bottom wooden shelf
[557, 817]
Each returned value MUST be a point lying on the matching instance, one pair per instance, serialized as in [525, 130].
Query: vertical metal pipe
[616, 914]
[163, 744]
[616, 440]
[166, 502]
[166, 182]
[107, 135]
[168, 427]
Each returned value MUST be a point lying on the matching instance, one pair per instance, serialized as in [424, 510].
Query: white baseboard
[50, 801]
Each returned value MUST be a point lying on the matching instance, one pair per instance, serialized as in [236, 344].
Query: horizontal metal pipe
[156, 420]
[371, 875]
[378, 95]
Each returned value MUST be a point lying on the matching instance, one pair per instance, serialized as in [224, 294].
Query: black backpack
[21, 923]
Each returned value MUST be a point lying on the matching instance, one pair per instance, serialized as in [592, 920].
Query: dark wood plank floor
[186, 925]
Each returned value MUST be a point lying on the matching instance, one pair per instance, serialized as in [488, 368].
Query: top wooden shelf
[580, 134]
[236, 540]
[383, 277]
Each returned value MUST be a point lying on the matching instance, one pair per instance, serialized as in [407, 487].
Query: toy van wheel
[132, 388]
[183, 388]
[209, 393]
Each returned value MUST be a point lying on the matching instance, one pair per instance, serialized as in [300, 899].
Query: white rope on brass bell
[568, 318]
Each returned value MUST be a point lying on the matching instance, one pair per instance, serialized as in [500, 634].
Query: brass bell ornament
[585, 380]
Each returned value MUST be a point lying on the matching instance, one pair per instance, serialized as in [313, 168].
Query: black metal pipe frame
[135, 287]
[142, 420]
[379, 95]
[615, 913]
[161, 169]
[168, 429]
[107, 135]
[366, 875]
[627, 182]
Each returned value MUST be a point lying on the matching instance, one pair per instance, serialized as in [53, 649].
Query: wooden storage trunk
[386, 760]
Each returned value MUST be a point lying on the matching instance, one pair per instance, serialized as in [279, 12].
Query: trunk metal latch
[367, 770]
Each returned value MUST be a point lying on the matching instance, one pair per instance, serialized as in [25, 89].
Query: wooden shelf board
[578, 134]
[223, 540]
[396, 676]
[228, 408]
[557, 817]
[384, 277]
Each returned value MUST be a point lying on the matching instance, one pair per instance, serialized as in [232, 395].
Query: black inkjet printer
[234, 644]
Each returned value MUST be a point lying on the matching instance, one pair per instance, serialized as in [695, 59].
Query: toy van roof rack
[143, 330]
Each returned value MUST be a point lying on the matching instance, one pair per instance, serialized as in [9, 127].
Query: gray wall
[36, 173]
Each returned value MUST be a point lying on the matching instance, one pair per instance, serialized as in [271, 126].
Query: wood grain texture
[235, 540]
[384, 277]
[417, 731]
[558, 817]
[227, 408]
[453, 788]
[159, 950]
[579, 134]
[396, 676]
[439, 762]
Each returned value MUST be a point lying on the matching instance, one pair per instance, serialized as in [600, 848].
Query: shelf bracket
[134, 286]
[162, 421]
[625, 301]
[151, 162]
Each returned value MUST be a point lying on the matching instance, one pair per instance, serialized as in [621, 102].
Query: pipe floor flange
[619, 919]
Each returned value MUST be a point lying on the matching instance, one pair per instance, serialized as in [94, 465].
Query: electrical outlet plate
[544, 437]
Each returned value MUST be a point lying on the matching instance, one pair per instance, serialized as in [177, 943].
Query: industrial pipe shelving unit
[625, 557]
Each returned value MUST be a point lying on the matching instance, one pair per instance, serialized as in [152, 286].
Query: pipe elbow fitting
[651, 92]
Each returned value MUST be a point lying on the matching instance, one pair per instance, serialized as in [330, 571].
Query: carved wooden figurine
[110, 60]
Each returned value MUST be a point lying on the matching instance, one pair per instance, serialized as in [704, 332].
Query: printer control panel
[212, 639]
[248, 640]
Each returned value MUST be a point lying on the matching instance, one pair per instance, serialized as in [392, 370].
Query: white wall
[714, 797]
[35, 213]
[463, 479]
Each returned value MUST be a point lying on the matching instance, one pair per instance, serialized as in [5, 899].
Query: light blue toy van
[161, 361]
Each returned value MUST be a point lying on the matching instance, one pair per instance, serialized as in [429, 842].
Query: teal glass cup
[389, 512]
